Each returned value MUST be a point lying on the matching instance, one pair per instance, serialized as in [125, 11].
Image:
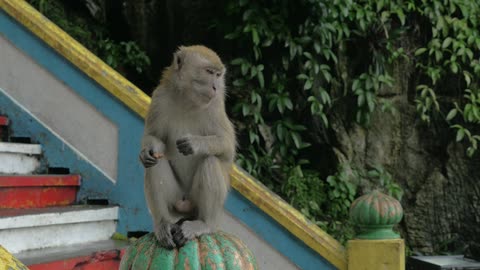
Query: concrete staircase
[39, 222]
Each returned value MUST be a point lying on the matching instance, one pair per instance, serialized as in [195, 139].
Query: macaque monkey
[188, 147]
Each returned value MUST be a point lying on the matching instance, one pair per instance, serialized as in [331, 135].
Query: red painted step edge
[38, 191]
[3, 121]
[39, 180]
[101, 260]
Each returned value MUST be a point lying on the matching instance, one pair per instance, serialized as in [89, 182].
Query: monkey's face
[206, 82]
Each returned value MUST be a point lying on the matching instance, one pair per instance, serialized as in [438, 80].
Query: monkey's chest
[184, 166]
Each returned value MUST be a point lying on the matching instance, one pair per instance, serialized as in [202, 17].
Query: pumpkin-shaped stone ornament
[216, 251]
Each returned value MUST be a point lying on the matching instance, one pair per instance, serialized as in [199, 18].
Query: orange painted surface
[37, 197]
[38, 191]
[39, 180]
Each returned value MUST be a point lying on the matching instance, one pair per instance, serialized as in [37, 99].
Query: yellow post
[386, 254]
[377, 246]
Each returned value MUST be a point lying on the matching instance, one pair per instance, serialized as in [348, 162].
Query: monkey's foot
[164, 234]
[188, 230]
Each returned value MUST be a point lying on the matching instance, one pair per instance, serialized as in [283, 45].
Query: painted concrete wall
[58, 106]
[267, 258]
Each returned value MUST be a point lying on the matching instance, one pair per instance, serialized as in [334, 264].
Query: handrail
[138, 101]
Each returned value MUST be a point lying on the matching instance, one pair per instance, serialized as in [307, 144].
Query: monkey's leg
[161, 192]
[208, 192]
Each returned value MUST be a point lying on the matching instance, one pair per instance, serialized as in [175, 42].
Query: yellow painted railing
[138, 101]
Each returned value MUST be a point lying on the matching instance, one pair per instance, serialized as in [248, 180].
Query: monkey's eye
[218, 75]
[209, 71]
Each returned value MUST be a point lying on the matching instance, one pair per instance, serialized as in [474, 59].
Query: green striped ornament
[376, 214]
[217, 251]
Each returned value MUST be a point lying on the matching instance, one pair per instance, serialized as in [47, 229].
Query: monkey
[188, 147]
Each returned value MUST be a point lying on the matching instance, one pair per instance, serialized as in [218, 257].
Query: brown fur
[188, 127]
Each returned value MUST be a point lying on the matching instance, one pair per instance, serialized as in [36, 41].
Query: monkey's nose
[214, 88]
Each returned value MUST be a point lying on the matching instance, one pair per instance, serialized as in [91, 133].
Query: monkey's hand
[188, 230]
[164, 233]
[186, 146]
[152, 150]
[149, 157]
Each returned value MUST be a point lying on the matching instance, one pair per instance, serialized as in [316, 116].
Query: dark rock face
[441, 184]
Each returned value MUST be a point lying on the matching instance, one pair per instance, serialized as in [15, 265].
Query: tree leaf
[451, 114]
[308, 85]
[355, 85]
[454, 67]
[296, 139]
[288, 103]
[237, 61]
[460, 134]
[420, 51]
[255, 37]
[446, 42]
[261, 80]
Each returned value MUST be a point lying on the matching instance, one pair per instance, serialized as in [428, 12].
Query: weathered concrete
[19, 158]
[95, 136]
[267, 257]
[27, 229]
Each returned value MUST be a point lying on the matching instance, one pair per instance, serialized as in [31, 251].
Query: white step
[46, 255]
[19, 158]
[27, 229]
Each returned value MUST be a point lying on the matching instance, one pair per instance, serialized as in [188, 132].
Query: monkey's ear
[178, 59]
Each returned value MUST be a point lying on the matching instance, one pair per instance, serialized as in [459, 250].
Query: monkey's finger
[150, 160]
[185, 148]
[182, 141]
[179, 239]
[149, 163]
[168, 243]
[174, 228]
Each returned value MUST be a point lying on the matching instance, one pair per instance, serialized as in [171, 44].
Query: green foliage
[94, 36]
[325, 203]
[449, 58]
[297, 61]
[293, 71]
[123, 54]
[384, 181]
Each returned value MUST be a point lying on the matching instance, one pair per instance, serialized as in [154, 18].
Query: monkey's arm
[220, 146]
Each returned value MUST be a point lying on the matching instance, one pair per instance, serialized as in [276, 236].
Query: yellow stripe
[138, 101]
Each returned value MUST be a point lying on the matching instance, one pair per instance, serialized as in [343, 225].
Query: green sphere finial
[376, 214]
[210, 251]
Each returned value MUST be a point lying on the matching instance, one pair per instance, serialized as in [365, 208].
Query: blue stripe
[275, 234]
[128, 191]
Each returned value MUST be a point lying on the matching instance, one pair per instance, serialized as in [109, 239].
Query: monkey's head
[199, 74]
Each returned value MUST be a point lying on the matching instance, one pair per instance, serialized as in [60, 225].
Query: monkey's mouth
[208, 96]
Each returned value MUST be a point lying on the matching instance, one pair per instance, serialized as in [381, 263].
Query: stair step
[101, 255]
[20, 148]
[19, 158]
[36, 191]
[27, 229]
